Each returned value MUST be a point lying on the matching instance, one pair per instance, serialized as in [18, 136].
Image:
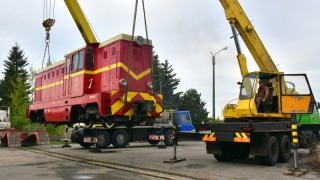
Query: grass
[53, 142]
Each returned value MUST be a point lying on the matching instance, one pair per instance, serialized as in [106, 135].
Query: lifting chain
[47, 24]
[150, 58]
[132, 36]
[47, 40]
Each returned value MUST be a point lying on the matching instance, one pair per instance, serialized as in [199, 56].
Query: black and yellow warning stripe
[210, 137]
[241, 137]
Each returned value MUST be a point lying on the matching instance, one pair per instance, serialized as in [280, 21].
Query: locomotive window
[44, 77]
[48, 75]
[57, 72]
[80, 60]
[62, 70]
[68, 66]
[105, 54]
[75, 62]
[113, 51]
[89, 59]
[53, 74]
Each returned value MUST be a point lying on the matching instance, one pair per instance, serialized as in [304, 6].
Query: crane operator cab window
[259, 88]
[296, 94]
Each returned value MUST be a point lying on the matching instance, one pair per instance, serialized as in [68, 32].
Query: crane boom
[81, 21]
[237, 18]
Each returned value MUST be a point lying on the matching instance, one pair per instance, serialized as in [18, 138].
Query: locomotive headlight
[140, 40]
[123, 82]
[150, 86]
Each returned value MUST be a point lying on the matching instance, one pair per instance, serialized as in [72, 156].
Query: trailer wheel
[153, 142]
[273, 152]
[103, 139]
[284, 148]
[120, 139]
[85, 145]
[168, 138]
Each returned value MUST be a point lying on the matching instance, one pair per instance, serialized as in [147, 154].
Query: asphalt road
[17, 163]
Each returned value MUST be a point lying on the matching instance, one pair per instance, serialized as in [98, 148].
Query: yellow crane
[285, 90]
[81, 21]
[264, 129]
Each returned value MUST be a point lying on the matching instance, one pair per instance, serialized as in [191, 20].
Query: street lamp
[213, 83]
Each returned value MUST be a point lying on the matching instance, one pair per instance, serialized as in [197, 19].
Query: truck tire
[273, 152]
[228, 153]
[284, 148]
[120, 139]
[103, 139]
[259, 160]
[218, 157]
[168, 138]
[85, 145]
[153, 142]
[314, 137]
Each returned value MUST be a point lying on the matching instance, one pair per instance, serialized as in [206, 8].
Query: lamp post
[213, 83]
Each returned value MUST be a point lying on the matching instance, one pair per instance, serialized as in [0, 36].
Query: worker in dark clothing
[263, 94]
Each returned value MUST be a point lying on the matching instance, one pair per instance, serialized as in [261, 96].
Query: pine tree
[156, 74]
[165, 82]
[14, 69]
[191, 101]
[169, 84]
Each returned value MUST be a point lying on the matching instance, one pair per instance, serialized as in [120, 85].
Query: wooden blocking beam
[175, 160]
[295, 172]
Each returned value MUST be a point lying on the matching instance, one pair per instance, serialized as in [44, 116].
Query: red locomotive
[108, 83]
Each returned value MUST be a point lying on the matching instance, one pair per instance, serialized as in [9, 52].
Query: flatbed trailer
[119, 137]
[269, 142]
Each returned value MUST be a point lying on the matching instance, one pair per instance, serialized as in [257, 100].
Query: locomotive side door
[77, 74]
[66, 78]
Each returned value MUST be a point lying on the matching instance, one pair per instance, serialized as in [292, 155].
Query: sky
[184, 32]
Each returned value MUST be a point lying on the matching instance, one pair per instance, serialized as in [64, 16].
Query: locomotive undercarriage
[90, 115]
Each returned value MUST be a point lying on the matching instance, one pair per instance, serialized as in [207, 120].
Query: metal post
[295, 145]
[213, 83]
[213, 90]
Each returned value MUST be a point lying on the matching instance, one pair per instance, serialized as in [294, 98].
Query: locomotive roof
[104, 43]
[121, 37]
[51, 66]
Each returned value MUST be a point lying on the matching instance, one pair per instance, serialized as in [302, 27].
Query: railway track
[112, 165]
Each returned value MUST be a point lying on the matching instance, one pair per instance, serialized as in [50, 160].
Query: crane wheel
[284, 148]
[218, 157]
[259, 160]
[273, 152]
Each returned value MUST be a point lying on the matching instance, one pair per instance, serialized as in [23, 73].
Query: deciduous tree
[191, 101]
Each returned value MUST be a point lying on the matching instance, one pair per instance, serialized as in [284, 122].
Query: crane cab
[288, 94]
